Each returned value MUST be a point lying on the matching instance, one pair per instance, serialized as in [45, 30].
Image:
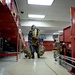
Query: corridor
[43, 66]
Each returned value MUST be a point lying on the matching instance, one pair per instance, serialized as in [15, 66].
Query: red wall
[48, 45]
[68, 46]
[61, 37]
[67, 34]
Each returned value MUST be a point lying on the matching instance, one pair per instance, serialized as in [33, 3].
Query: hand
[29, 43]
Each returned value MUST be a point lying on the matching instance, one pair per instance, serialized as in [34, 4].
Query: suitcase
[27, 51]
[41, 50]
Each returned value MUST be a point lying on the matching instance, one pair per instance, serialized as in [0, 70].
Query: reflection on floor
[42, 66]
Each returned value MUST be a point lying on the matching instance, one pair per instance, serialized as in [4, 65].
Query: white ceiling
[58, 14]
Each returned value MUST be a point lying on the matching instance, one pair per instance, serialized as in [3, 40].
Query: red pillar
[73, 33]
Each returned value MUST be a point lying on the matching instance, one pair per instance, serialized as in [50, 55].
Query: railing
[67, 63]
[11, 12]
[11, 5]
[67, 58]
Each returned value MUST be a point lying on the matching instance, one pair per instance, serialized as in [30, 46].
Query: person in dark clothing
[33, 42]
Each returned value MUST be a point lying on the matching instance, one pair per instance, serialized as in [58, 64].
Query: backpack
[36, 33]
[35, 36]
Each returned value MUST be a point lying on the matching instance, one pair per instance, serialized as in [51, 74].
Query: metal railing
[67, 58]
[67, 63]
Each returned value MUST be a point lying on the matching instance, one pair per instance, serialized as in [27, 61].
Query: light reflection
[34, 67]
[2, 71]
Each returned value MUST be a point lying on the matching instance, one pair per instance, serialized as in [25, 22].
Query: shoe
[29, 57]
[32, 57]
[38, 57]
[26, 56]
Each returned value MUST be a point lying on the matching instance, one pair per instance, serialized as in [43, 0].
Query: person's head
[33, 27]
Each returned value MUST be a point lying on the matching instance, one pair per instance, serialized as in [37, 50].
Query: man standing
[33, 40]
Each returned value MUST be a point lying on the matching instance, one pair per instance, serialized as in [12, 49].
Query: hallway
[43, 66]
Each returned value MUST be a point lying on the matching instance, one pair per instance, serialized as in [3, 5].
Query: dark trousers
[34, 49]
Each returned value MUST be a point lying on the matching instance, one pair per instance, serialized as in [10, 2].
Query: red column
[73, 33]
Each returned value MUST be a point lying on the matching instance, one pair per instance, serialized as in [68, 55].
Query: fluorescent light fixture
[40, 2]
[35, 16]
[60, 31]
[56, 33]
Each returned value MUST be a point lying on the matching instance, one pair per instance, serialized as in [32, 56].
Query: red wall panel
[73, 31]
[61, 37]
[67, 34]
[48, 45]
[68, 46]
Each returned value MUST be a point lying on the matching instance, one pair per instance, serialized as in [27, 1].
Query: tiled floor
[43, 66]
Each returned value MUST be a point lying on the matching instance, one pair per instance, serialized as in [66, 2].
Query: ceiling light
[60, 31]
[35, 16]
[56, 33]
[41, 2]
